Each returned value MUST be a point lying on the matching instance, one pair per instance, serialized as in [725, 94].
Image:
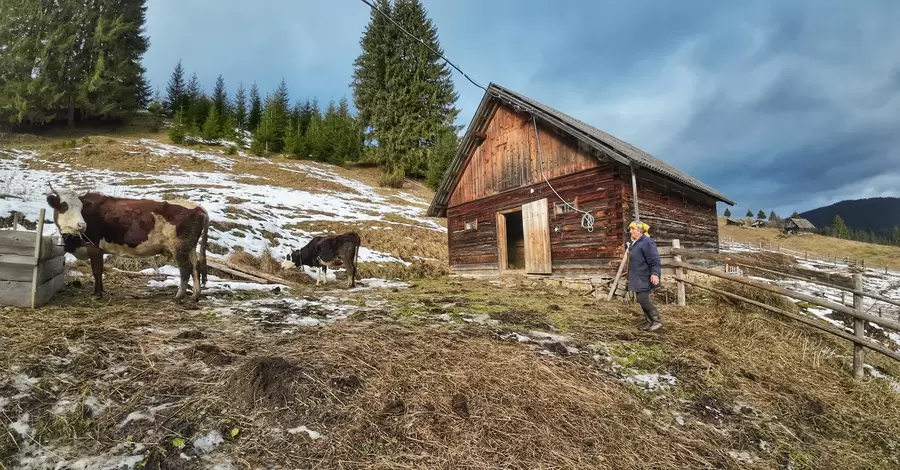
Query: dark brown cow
[94, 224]
[330, 251]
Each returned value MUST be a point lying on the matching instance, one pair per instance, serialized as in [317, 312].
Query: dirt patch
[524, 318]
[264, 381]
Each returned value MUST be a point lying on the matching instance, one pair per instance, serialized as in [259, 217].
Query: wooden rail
[860, 317]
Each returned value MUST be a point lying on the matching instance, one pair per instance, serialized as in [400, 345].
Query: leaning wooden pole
[637, 216]
[859, 329]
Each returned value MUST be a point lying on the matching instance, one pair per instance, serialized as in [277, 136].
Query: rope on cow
[587, 221]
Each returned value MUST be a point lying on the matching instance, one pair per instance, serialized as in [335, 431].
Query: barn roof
[609, 145]
[802, 223]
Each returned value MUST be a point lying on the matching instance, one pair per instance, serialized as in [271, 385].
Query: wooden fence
[860, 317]
[31, 267]
[821, 257]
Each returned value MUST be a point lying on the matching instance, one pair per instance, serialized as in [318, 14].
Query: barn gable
[590, 141]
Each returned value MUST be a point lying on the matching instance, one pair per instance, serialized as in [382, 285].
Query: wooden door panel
[536, 225]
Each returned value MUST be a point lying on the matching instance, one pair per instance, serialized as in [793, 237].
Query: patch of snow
[312, 434]
[268, 208]
[21, 426]
[651, 382]
[208, 442]
[135, 416]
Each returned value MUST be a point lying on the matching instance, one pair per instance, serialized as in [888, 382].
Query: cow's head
[291, 260]
[67, 215]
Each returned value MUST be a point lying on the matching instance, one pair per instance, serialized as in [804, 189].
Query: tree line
[71, 59]
[271, 124]
[81, 59]
[839, 229]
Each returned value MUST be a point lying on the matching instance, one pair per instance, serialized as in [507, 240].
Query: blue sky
[749, 96]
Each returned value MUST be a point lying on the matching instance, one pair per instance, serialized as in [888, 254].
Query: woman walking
[644, 272]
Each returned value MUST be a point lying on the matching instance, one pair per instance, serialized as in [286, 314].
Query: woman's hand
[654, 279]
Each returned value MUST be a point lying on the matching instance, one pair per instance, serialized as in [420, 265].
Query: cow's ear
[54, 202]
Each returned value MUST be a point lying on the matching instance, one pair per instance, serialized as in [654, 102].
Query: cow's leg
[96, 257]
[183, 260]
[351, 272]
[324, 274]
[196, 265]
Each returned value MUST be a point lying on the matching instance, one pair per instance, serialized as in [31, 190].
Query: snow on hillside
[245, 206]
[876, 281]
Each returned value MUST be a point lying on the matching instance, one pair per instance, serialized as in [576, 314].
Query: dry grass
[817, 246]
[411, 391]
[111, 155]
[279, 176]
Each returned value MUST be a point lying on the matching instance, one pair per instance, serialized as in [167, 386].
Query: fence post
[859, 327]
[679, 274]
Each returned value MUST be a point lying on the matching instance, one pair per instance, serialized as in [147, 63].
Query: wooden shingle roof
[607, 144]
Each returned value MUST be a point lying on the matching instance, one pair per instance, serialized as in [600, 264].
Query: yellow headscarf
[641, 226]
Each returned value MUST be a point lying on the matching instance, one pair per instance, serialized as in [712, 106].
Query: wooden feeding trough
[31, 267]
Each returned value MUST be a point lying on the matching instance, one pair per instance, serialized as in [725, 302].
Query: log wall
[508, 158]
[673, 211]
[573, 248]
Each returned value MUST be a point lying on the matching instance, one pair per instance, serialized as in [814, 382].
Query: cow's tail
[203, 244]
[356, 259]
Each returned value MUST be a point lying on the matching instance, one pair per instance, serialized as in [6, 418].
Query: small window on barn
[472, 225]
[563, 208]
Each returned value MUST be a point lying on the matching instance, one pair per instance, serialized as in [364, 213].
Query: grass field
[817, 245]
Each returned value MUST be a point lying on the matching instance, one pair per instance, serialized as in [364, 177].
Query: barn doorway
[515, 240]
[523, 239]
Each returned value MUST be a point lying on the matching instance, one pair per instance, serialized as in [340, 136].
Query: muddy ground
[439, 373]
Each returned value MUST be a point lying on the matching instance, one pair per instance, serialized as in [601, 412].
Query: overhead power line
[371, 5]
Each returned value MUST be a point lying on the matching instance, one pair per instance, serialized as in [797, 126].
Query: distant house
[732, 221]
[760, 223]
[795, 225]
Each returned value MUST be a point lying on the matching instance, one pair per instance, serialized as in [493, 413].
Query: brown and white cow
[95, 224]
[330, 251]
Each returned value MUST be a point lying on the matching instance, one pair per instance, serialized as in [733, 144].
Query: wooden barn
[525, 177]
[797, 225]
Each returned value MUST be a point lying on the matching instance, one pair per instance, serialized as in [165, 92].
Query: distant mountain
[878, 214]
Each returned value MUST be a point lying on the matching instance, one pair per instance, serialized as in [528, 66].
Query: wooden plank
[12, 238]
[38, 238]
[25, 273]
[10, 246]
[235, 272]
[808, 321]
[537, 237]
[681, 300]
[27, 260]
[19, 293]
[503, 255]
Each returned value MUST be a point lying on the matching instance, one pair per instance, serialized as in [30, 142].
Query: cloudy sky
[784, 105]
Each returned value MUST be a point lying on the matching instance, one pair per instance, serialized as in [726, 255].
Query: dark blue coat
[643, 261]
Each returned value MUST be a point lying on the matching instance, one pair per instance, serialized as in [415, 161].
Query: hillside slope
[878, 214]
[257, 205]
[816, 245]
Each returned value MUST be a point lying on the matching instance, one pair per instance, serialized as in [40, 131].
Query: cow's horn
[52, 191]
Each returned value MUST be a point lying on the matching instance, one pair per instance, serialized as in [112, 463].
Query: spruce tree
[240, 107]
[220, 100]
[727, 212]
[761, 215]
[176, 92]
[211, 128]
[749, 213]
[839, 229]
[255, 109]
